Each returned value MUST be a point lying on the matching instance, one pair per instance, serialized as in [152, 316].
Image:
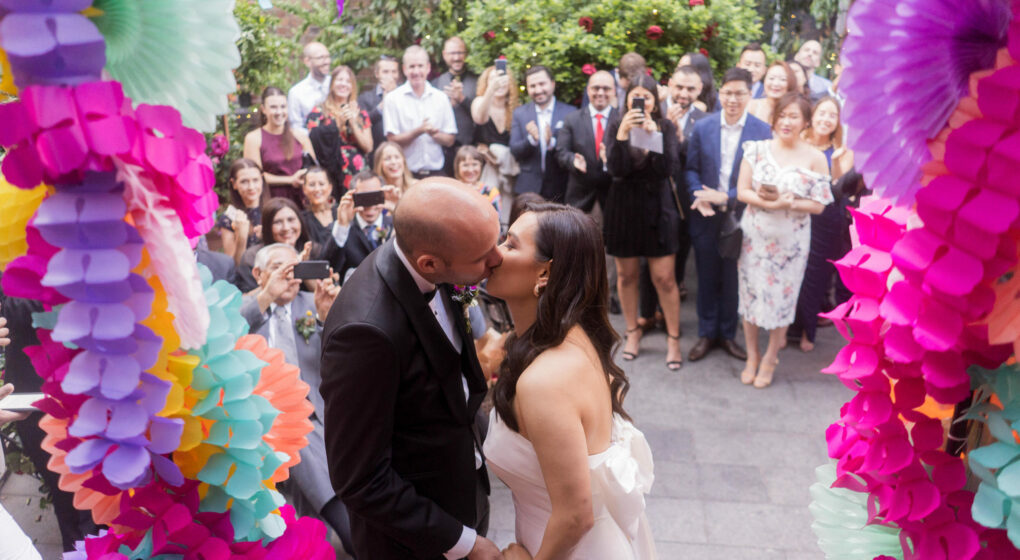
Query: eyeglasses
[601, 88]
[320, 57]
[733, 94]
[455, 53]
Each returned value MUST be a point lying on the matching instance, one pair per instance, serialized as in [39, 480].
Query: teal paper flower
[841, 522]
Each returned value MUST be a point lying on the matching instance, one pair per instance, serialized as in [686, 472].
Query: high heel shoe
[764, 377]
[674, 365]
[747, 376]
[630, 356]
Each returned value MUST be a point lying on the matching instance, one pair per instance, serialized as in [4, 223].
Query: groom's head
[448, 231]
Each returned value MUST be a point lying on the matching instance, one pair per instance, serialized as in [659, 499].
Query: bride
[560, 438]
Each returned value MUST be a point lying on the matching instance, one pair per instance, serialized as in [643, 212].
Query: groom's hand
[484, 549]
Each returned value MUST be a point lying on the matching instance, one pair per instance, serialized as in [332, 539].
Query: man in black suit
[358, 230]
[533, 137]
[402, 385]
[579, 146]
[387, 78]
[459, 84]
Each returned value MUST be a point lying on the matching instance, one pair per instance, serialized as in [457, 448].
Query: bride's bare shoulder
[559, 368]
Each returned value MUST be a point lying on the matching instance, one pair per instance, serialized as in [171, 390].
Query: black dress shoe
[733, 349]
[700, 348]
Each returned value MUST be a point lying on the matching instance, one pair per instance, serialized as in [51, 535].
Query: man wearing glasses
[312, 90]
[713, 161]
[459, 84]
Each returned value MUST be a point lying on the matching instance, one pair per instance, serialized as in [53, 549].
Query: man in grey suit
[290, 320]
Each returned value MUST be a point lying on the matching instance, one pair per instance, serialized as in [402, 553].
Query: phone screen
[639, 103]
[311, 270]
[369, 199]
[501, 65]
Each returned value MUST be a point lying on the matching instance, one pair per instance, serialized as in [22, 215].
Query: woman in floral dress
[340, 131]
[783, 181]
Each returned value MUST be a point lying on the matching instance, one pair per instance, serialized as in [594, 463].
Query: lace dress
[776, 242]
[620, 477]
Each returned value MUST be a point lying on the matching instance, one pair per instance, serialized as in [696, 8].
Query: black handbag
[731, 237]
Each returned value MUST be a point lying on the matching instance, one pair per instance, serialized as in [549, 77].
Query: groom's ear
[426, 264]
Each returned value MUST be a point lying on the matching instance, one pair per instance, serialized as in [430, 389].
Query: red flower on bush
[653, 32]
[693, 3]
[588, 69]
[489, 35]
[586, 22]
[711, 31]
[704, 51]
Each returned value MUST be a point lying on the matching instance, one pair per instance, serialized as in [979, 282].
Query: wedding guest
[714, 153]
[419, 118]
[359, 230]
[752, 59]
[825, 134]
[522, 203]
[312, 90]
[277, 148]
[580, 147]
[533, 137]
[779, 80]
[708, 101]
[240, 225]
[320, 206]
[281, 223]
[783, 181]
[391, 166]
[801, 74]
[467, 168]
[284, 315]
[641, 218]
[459, 84]
[387, 77]
[340, 131]
[631, 64]
[15, 545]
[492, 111]
[810, 56]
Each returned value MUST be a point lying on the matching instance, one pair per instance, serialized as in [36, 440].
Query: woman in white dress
[783, 181]
[559, 437]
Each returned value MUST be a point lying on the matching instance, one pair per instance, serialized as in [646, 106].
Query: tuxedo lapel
[436, 346]
[472, 369]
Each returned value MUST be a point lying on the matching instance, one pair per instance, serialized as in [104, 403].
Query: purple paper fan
[908, 64]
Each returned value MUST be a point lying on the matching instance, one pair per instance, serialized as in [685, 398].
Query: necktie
[599, 131]
[370, 235]
[283, 333]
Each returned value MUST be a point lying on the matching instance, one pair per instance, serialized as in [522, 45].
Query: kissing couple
[407, 445]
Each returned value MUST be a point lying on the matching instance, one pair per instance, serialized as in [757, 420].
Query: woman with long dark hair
[281, 223]
[559, 428]
[341, 131]
[240, 225]
[276, 148]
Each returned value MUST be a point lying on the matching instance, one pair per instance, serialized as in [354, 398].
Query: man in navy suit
[358, 231]
[533, 137]
[713, 161]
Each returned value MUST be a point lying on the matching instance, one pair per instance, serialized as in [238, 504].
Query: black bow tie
[429, 295]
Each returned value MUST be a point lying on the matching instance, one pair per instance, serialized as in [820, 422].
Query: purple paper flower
[907, 66]
[51, 42]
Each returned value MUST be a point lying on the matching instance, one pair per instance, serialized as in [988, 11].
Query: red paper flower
[693, 3]
[653, 32]
[703, 51]
[588, 69]
[489, 35]
[586, 22]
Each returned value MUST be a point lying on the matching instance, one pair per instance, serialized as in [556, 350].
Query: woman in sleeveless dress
[277, 149]
[783, 181]
[559, 436]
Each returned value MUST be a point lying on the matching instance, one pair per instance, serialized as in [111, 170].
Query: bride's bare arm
[549, 414]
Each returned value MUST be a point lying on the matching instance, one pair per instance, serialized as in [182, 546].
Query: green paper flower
[841, 522]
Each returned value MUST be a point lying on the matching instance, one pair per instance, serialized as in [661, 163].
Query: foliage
[548, 32]
[267, 58]
[798, 21]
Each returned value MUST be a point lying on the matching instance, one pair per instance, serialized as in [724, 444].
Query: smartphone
[501, 65]
[20, 402]
[369, 199]
[639, 103]
[311, 270]
[768, 192]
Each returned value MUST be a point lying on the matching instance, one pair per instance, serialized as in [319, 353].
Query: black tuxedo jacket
[355, 250]
[578, 136]
[400, 435]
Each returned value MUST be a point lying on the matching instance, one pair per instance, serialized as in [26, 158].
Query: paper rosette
[16, 207]
[6, 76]
[178, 53]
[842, 522]
[907, 66]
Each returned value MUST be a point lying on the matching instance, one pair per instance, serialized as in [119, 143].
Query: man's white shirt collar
[423, 285]
[362, 224]
[604, 112]
[739, 124]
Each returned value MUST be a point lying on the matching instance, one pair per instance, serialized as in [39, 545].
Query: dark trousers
[826, 245]
[717, 280]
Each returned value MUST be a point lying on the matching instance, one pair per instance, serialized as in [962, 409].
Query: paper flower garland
[907, 65]
[51, 42]
[841, 522]
[16, 206]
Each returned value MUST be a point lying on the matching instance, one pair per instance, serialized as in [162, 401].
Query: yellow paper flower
[16, 207]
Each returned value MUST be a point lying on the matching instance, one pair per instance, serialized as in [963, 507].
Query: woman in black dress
[320, 208]
[641, 218]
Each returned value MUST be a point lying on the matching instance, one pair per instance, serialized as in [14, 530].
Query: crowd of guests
[664, 168]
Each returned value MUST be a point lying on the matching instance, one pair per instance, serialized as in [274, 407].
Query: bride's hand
[516, 552]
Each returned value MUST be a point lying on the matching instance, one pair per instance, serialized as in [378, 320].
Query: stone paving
[732, 463]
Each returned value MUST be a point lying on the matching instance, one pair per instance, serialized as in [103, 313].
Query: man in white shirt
[419, 117]
[312, 90]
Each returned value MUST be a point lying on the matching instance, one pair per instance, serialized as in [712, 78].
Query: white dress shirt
[729, 144]
[595, 126]
[544, 122]
[404, 111]
[442, 314]
[342, 232]
[302, 98]
[683, 120]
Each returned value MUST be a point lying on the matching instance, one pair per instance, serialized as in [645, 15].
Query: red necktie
[598, 132]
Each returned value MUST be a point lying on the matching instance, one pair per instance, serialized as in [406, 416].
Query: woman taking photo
[641, 216]
[826, 134]
[240, 225]
[340, 131]
[778, 81]
[492, 111]
[467, 167]
[783, 181]
[320, 209]
[276, 148]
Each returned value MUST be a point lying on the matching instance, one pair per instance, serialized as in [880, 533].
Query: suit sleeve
[565, 145]
[250, 312]
[360, 380]
[692, 173]
[519, 145]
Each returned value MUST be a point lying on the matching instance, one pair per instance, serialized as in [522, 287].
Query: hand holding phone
[639, 103]
[369, 199]
[768, 193]
[501, 65]
[311, 270]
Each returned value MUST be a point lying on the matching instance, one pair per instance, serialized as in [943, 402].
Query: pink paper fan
[908, 63]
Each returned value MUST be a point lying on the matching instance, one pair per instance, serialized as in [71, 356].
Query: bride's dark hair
[577, 294]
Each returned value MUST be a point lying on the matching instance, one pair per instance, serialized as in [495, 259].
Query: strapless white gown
[620, 477]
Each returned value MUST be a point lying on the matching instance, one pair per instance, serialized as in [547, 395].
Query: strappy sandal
[764, 377]
[674, 365]
[630, 356]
